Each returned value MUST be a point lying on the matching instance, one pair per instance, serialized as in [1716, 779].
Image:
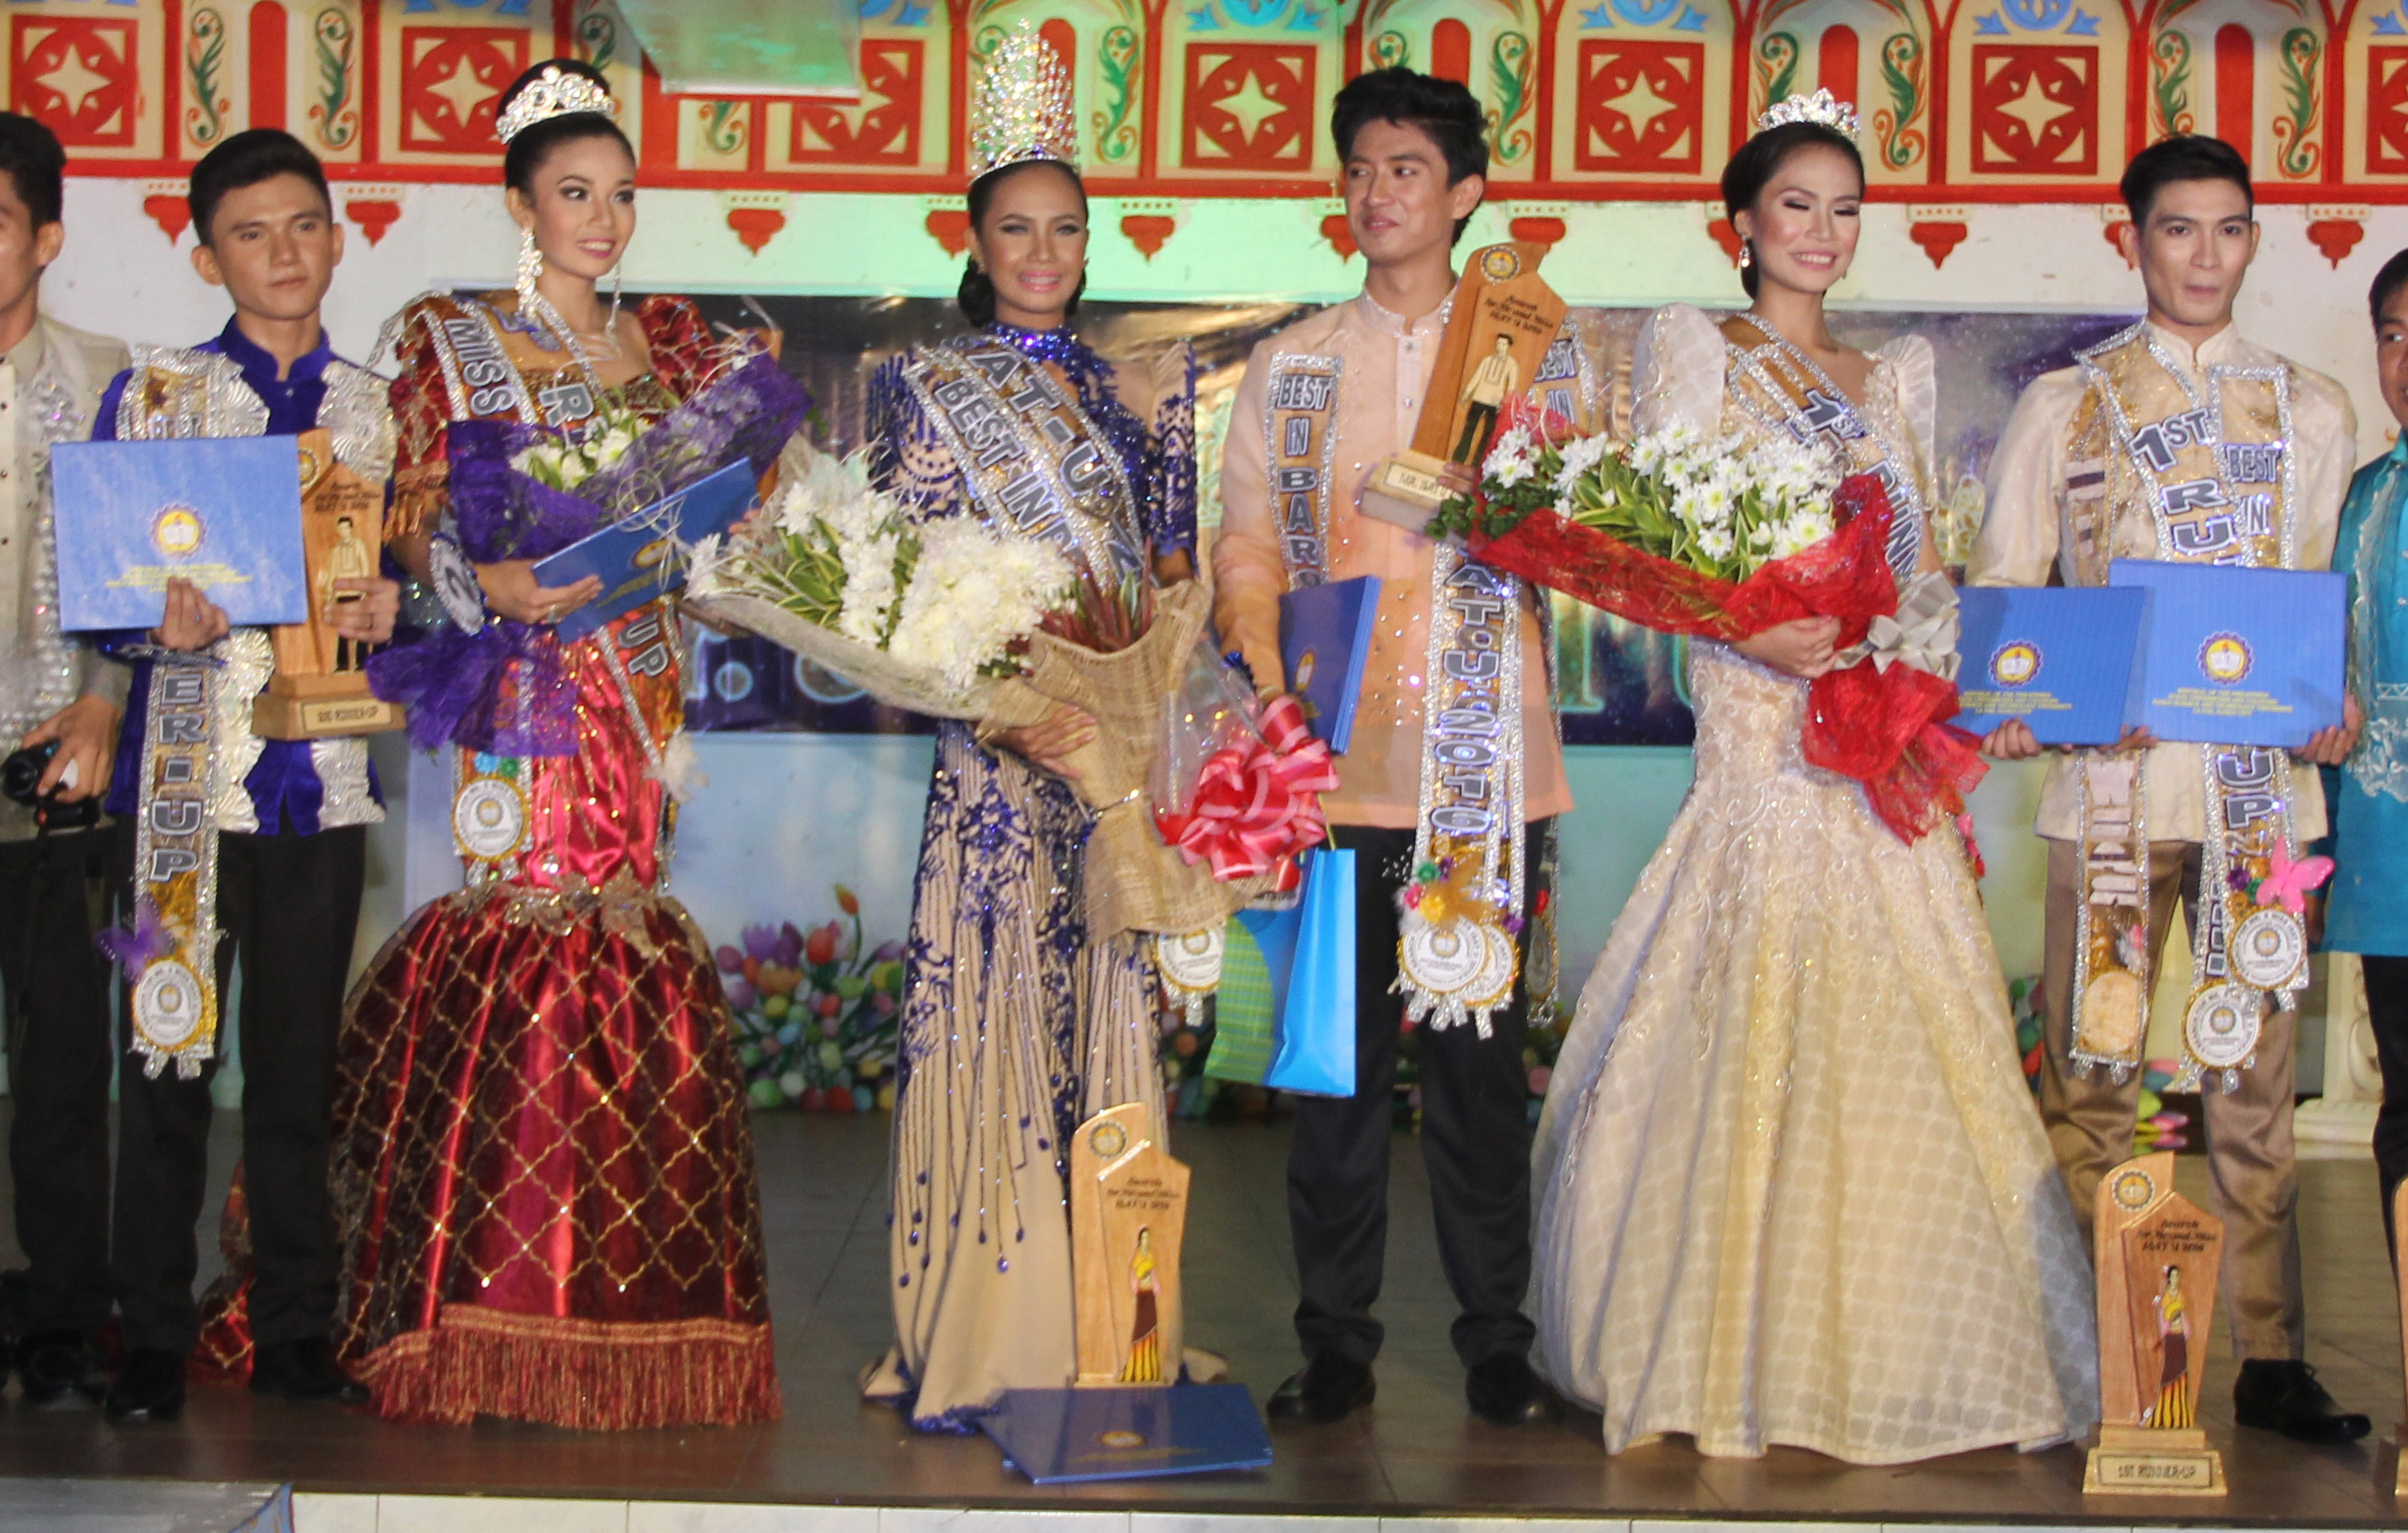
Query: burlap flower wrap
[1134, 881]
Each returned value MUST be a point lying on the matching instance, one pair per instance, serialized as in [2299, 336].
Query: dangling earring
[618, 280]
[530, 267]
[1746, 253]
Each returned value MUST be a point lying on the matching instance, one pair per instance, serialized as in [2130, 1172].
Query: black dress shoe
[304, 1370]
[2282, 1395]
[150, 1387]
[1327, 1389]
[1507, 1391]
[59, 1368]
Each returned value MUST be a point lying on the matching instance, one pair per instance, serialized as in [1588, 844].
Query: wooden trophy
[1128, 1210]
[1496, 337]
[320, 687]
[2158, 1256]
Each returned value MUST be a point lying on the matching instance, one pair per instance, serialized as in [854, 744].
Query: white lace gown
[1792, 1187]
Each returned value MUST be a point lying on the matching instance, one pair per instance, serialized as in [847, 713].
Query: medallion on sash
[1457, 949]
[491, 812]
[198, 746]
[2215, 474]
[1466, 902]
[173, 1006]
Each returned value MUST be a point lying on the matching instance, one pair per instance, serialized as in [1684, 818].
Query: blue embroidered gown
[1016, 1026]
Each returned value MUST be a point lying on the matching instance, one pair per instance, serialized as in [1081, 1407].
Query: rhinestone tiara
[1821, 108]
[1022, 108]
[556, 93]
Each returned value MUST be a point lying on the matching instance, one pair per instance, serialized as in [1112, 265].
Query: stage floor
[1416, 1452]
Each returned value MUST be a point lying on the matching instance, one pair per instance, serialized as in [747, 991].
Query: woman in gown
[1792, 1187]
[544, 1165]
[1016, 1027]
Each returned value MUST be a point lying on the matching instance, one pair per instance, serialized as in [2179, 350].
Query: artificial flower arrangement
[816, 1012]
[1722, 537]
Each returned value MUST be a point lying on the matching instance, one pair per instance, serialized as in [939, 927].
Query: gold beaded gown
[1791, 1185]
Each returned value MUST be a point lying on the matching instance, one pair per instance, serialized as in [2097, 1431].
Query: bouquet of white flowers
[1722, 537]
[951, 617]
[565, 460]
[923, 615]
[1724, 507]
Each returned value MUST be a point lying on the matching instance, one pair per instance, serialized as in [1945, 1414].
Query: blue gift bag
[1310, 951]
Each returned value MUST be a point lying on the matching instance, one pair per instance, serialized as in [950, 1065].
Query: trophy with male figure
[320, 685]
[1501, 323]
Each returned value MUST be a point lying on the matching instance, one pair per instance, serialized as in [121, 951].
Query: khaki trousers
[2249, 1145]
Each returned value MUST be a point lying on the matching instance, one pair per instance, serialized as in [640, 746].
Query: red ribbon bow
[1257, 800]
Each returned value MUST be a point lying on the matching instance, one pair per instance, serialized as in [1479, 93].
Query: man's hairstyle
[30, 154]
[1442, 108]
[247, 159]
[2388, 284]
[2184, 157]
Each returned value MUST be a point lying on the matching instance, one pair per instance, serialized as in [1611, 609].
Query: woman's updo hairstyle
[1760, 158]
[977, 292]
[525, 154]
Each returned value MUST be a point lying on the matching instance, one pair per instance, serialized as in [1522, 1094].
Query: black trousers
[2386, 1005]
[289, 906]
[1475, 1140]
[1478, 425]
[59, 1063]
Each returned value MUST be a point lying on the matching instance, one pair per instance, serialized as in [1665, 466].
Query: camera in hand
[20, 779]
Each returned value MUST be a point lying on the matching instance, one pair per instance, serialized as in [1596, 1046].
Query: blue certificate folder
[2240, 656]
[2067, 661]
[635, 556]
[224, 514]
[1325, 638]
[1059, 1437]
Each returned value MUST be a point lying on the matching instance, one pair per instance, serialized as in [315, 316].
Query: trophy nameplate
[1497, 337]
[2157, 1262]
[1128, 1213]
[320, 688]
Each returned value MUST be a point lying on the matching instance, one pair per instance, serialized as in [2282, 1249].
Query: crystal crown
[556, 93]
[1821, 108]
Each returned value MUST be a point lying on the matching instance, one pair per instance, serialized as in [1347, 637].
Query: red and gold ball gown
[543, 1167]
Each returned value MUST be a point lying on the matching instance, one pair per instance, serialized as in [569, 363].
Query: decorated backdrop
[1965, 101]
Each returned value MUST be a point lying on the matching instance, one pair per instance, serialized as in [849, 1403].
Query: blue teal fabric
[2368, 908]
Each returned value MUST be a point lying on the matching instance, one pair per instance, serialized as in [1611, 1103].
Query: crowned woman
[1792, 1188]
[1017, 1025]
[542, 1159]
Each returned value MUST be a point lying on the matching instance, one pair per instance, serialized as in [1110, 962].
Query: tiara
[556, 93]
[1821, 108]
[1022, 109]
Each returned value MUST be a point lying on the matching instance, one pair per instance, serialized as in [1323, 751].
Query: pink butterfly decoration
[2287, 883]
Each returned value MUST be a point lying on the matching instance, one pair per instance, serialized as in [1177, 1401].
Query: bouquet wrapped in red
[1725, 539]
